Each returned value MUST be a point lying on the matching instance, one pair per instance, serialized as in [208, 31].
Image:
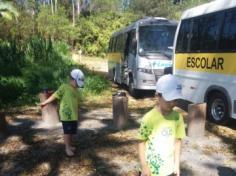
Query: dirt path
[102, 150]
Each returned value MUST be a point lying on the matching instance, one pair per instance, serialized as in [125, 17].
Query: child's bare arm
[143, 162]
[178, 143]
[49, 100]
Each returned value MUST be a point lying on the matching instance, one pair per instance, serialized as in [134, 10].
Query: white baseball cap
[78, 76]
[169, 87]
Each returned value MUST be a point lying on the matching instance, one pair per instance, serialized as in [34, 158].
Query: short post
[196, 120]
[50, 115]
[3, 123]
[120, 109]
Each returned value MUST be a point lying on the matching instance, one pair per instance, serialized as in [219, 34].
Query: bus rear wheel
[217, 108]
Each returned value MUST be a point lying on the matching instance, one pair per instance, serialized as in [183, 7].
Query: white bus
[138, 54]
[205, 57]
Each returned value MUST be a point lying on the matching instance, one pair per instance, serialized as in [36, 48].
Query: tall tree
[163, 8]
[73, 11]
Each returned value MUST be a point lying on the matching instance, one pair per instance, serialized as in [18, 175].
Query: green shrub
[48, 65]
[95, 84]
[11, 88]
[11, 59]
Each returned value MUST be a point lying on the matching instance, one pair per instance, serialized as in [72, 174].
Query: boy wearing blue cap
[161, 132]
[69, 98]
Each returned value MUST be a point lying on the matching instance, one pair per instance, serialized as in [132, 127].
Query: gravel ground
[31, 149]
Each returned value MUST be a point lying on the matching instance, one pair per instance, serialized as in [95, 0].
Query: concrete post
[50, 115]
[196, 120]
[120, 109]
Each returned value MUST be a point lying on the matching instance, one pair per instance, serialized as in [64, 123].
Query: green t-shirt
[69, 102]
[160, 133]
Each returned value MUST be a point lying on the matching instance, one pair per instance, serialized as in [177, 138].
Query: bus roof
[145, 21]
[216, 5]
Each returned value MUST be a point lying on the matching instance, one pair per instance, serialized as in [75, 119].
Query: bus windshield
[155, 38]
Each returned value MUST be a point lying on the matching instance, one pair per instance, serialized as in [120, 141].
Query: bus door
[130, 55]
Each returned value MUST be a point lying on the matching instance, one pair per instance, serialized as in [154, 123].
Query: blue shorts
[69, 127]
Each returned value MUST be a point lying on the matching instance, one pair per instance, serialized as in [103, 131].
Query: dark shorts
[69, 127]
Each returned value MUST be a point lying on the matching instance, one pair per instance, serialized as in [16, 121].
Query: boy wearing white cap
[69, 103]
[161, 131]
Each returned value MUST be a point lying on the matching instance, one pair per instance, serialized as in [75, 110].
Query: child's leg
[69, 129]
[67, 139]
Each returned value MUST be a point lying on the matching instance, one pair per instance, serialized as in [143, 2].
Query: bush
[10, 89]
[48, 65]
[11, 59]
[95, 84]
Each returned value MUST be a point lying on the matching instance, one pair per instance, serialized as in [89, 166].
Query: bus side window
[196, 34]
[210, 33]
[228, 37]
[183, 37]
[132, 43]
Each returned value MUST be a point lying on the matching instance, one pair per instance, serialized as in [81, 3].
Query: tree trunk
[55, 5]
[51, 2]
[78, 9]
[73, 12]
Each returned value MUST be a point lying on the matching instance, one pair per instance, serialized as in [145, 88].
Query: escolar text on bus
[205, 63]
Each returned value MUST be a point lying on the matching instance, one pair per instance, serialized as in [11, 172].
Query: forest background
[37, 38]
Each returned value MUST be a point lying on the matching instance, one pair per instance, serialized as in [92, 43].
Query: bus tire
[114, 76]
[217, 108]
[132, 91]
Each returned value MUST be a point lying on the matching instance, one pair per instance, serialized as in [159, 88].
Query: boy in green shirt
[69, 103]
[161, 131]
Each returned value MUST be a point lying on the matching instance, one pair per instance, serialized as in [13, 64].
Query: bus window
[196, 34]
[133, 43]
[228, 38]
[155, 39]
[211, 29]
[184, 34]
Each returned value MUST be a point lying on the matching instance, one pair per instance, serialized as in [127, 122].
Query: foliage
[163, 8]
[55, 26]
[8, 11]
[96, 30]
[99, 6]
[11, 88]
[48, 65]
[11, 62]
[11, 59]
[95, 84]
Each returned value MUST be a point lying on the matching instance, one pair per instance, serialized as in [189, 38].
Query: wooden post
[196, 120]
[50, 115]
[120, 109]
[3, 123]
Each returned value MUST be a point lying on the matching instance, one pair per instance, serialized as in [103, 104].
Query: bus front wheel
[114, 76]
[217, 108]
[133, 92]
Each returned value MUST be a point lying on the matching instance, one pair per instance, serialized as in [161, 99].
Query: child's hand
[146, 171]
[40, 104]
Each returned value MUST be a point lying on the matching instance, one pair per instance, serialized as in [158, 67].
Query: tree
[8, 11]
[162, 8]
[97, 6]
